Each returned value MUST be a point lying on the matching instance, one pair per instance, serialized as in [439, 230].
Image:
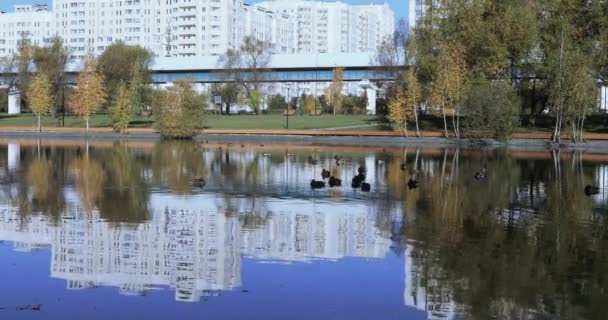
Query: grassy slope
[211, 121]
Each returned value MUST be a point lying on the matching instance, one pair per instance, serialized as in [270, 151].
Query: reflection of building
[189, 244]
[424, 291]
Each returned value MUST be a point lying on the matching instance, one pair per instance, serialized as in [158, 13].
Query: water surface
[103, 230]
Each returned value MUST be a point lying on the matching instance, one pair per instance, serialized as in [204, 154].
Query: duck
[334, 182]
[266, 154]
[481, 174]
[361, 170]
[591, 190]
[317, 184]
[358, 180]
[325, 174]
[412, 184]
[198, 182]
[366, 187]
[403, 167]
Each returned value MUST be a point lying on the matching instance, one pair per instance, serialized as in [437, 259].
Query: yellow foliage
[121, 111]
[89, 176]
[39, 96]
[310, 104]
[38, 178]
[334, 91]
[90, 94]
[402, 107]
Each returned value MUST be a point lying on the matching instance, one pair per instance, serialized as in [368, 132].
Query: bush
[491, 108]
[179, 111]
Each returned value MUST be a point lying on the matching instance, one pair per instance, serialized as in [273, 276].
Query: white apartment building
[415, 10]
[333, 27]
[278, 29]
[198, 28]
[31, 21]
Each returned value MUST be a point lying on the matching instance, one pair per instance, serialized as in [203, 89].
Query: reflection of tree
[504, 261]
[39, 192]
[175, 164]
[39, 179]
[89, 177]
[126, 194]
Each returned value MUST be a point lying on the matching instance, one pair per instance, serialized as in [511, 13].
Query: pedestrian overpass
[280, 68]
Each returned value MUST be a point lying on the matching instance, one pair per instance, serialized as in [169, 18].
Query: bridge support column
[14, 102]
[371, 91]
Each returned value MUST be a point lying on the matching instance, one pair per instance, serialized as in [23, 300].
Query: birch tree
[39, 96]
[90, 94]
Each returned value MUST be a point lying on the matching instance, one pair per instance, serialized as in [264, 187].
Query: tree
[229, 91]
[403, 105]
[247, 66]
[24, 61]
[277, 103]
[121, 110]
[397, 110]
[39, 96]
[7, 66]
[125, 63]
[491, 109]
[51, 60]
[179, 111]
[137, 90]
[413, 96]
[91, 94]
[334, 91]
[392, 52]
[255, 101]
[310, 104]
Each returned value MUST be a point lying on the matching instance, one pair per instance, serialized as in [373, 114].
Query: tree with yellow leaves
[449, 85]
[403, 106]
[397, 110]
[39, 96]
[121, 110]
[334, 91]
[90, 94]
[310, 104]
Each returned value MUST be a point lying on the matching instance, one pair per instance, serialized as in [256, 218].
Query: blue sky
[399, 6]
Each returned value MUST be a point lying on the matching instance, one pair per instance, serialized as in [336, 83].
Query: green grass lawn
[358, 122]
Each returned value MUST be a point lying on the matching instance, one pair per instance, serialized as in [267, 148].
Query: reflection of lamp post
[287, 107]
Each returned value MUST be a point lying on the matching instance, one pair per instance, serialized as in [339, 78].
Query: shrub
[179, 111]
[491, 108]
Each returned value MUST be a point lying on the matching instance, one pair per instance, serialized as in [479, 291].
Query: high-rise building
[333, 27]
[33, 22]
[196, 28]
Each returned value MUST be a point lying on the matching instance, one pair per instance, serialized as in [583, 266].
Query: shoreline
[597, 143]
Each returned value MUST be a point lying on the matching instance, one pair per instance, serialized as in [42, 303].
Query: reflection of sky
[346, 289]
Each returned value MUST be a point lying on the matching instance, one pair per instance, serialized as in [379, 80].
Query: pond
[184, 230]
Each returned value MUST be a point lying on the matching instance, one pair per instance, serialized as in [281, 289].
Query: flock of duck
[358, 182]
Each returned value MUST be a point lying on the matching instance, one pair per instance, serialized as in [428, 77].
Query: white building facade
[198, 28]
[33, 22]
[336, 27]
